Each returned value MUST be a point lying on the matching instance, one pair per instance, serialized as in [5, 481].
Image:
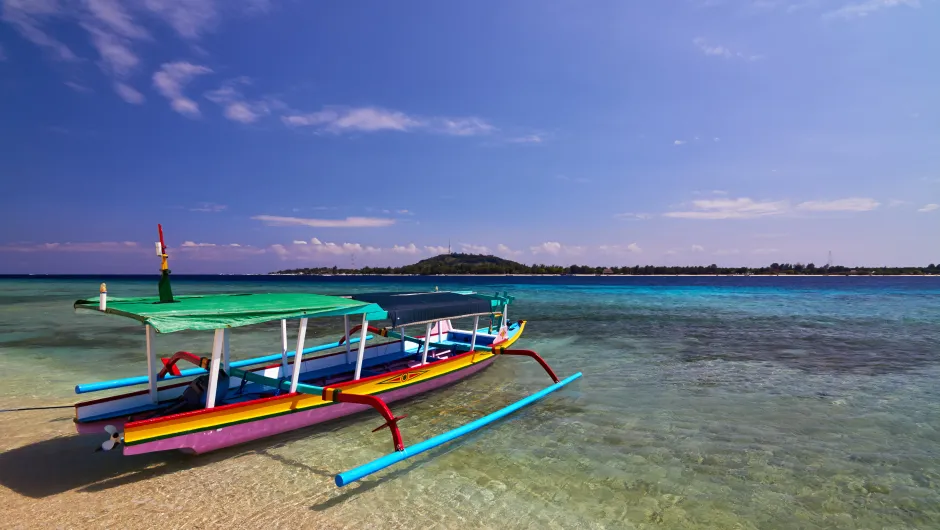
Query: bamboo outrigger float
[229, 403]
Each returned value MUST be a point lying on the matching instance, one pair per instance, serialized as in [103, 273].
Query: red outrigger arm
[391, 421]
[381, 332]
[528, 353]
[169, 365]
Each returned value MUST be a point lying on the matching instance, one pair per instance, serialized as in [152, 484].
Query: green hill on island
[481, 264]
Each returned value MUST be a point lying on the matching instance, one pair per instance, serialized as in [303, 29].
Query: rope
[38, 408]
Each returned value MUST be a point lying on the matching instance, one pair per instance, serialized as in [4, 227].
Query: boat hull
[227, 436]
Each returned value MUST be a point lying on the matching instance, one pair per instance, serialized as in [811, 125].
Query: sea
[706, 402]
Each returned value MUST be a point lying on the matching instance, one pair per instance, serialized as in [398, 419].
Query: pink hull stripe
[205, 441]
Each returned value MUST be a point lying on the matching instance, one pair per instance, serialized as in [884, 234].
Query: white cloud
[219, 251]
[549, 247]
[865, 8]
[722, 51]
[193, 244]
[27, 16]
[190, 18]
[527, 139]
[435, 251]
[678, 142]
[717, 139]
[300, 249]
[238, 108]
[349, 222]
[300, 242]
[209, 207]
[555, 248]
[726, 252]
[504, 250]
[852, 204]
[698, 248]
[742, 208]
[170, 81]
[407, 249]
[340, 120]
[128, 93]
[632, 248]
[929, 208]
[103, 246]
[576, 180]
[633, 216]
[78, 87]
[474, 249]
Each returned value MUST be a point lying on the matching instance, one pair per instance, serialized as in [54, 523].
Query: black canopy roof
[409, 308]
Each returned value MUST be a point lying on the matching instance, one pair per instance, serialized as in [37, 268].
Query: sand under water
[705, 403]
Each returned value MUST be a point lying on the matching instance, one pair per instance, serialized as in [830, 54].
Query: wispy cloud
[742, 208]
[128, 93]
[633, 216]
[555, 248]
[409, 249]
[340, 120]
[237, 107]
[527, 139]
[678, 142]
[852, 204]
[726, 252]
[698, 248]
[349, 222]
[717, 50]
[894, 203]
[504, 250]
[28, 17]
[436, 250]
[218, 251]
[929, 208]
[209, 207]
[170, 81]
[103, 246]
[765, 251]
[863, 9]
[78, 87]
[474, 249]
[300, 249]
[576, 180]
[632, 248]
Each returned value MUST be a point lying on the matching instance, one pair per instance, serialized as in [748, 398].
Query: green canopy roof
[230, 310]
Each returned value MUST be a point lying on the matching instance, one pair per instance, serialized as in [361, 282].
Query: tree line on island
[481, 264]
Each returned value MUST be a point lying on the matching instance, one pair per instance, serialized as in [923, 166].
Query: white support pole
[346, 329]
[298, 354]
[505, 314]
[427, 341]
[214, 367]
[362, 346]
[283, 347]
[473, 338]
[401, 331]
[226, 354]
[151, 365]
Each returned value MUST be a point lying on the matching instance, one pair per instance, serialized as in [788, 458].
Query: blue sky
[275, 134]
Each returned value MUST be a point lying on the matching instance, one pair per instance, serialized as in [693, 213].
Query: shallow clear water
[705, 403]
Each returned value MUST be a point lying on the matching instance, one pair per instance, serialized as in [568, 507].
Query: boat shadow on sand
[64, 463]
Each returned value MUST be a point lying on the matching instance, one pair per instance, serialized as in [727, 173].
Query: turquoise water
[705, 403]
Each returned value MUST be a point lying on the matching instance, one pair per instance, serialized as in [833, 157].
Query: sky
[274, 134]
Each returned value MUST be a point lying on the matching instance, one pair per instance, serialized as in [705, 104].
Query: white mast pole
[151, 364]
[427, 341]
[214, 367]
[298, 354]
[283, 347]
[362, 346]
[473, 338]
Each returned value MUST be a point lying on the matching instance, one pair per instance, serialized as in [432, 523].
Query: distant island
[477, 264]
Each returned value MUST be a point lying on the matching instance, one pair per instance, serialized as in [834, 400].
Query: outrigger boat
[233, 402]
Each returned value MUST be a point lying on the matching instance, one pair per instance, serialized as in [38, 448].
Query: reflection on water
[780, 403]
